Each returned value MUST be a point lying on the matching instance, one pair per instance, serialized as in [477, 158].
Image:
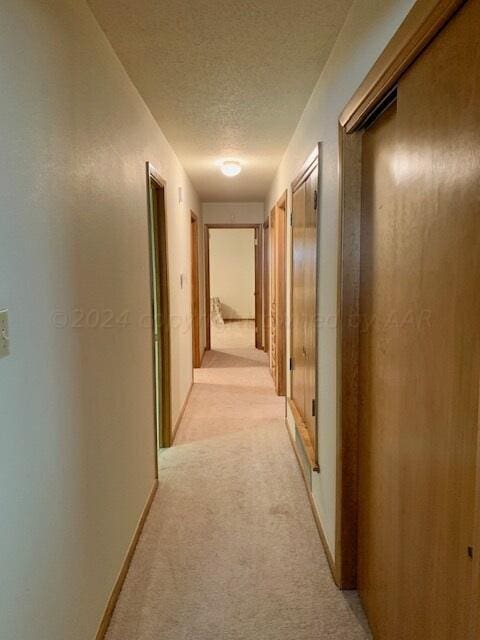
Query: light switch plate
[4, 339]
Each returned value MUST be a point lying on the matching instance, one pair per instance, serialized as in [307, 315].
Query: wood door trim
[475, 608]
[258, 277]
[266, 285]
[153, 176]
[422, 24]
[196, 359]
[280, 240]
[308, 166]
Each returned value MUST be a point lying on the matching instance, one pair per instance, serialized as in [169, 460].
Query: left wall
[76, 401]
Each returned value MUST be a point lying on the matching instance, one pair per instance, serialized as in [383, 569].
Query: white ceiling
[224, 78]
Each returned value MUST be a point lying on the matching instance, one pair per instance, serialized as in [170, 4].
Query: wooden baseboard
[112, 601]
[313, 506]
[180, 415]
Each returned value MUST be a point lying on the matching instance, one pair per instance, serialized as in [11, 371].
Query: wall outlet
[4, 339]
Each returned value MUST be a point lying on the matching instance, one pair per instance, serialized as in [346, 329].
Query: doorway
[410, 345]
[196, 355]
[233, 282]
[160, 307]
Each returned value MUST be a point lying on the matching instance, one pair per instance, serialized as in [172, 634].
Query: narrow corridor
[230, 548]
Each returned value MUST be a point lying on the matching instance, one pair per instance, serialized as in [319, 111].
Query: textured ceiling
[224, 79]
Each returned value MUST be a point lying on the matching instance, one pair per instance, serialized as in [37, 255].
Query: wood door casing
[196, 356]
[278, 333]
[420, 345]
[266, 287]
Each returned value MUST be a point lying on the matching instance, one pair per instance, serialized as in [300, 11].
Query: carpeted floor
[230, 550]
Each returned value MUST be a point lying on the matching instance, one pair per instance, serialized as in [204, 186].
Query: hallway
[230, 548]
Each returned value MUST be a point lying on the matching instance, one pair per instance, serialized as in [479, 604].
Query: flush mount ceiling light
[231, 168]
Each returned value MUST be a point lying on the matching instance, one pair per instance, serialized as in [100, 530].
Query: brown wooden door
[310, 270]
[303, 307]
[420, 344]
[298, 298]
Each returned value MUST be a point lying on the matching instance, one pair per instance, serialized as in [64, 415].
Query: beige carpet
[230, 550]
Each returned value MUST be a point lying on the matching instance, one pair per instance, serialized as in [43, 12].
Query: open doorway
[233, 285]
[160, 307]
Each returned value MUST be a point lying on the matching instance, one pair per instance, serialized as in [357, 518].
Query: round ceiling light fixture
[231, 168]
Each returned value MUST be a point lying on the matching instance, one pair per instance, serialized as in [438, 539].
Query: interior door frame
[420, 27]
[196, 355]
[279, 273]
[158, 250]
[258, 278]
[266, 285]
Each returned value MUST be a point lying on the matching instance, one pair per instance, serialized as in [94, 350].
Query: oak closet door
[298, 298]
[420, 344]
[310, 271]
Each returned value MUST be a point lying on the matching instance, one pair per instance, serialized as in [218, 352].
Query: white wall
[233, 212]
[76, 418]
[232, 271]
[369, 26]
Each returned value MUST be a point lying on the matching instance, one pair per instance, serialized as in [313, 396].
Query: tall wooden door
[420, 344]
[303, 299]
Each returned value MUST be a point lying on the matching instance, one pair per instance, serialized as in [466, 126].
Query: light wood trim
[258, 277]
[348, 313]
[206, 254]
[266, 285]
[281, 294]
[195, 292]
[313, 506]
[307, 167]
[305, 436]
[154, 178]
[117, 587]
[475, 608]
[182, 411]
[422, 24]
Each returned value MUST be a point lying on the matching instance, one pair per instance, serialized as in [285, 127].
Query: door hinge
[314, 407]
[315, 200]
[291, 364]
[291, 218]
[470, 552]
[256, 242]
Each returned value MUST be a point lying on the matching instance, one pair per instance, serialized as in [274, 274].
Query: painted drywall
[233, 212]
[76, 406]
[232, 272]
[369, 26]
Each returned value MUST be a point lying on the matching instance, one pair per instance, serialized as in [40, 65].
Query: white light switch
[4, 339]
